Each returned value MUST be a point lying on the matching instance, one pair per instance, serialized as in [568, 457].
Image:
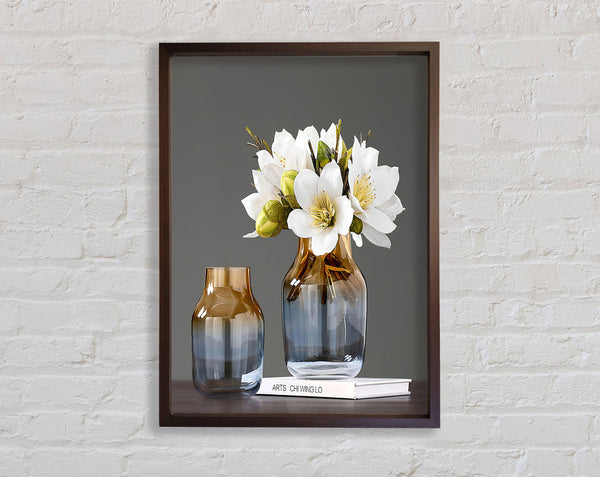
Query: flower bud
[287, 182]
[343, 159]
[356, 226]
[271, 219]
[324, 155]
[274, 211]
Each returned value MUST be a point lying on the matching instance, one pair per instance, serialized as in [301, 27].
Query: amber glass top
[227, 294]
[236, 278]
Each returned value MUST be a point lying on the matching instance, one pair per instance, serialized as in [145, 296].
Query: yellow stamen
[364, 190]
[322, 212]
[281, 158]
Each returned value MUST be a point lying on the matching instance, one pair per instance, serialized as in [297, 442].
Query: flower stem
[333, 272]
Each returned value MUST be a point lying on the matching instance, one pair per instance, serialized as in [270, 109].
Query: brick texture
[520, 239]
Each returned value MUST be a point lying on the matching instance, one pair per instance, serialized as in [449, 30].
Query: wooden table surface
[189, 408]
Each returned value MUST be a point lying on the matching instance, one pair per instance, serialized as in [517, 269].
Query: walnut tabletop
[189, 408]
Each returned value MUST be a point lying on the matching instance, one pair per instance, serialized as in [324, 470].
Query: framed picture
[210, 93]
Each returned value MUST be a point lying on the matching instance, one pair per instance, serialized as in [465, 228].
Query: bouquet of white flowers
[318, 188]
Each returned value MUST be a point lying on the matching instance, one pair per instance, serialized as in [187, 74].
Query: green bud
[291, 199]
[274, 211]
[287, 182]
[356, 226]
[271, 219]
[265, 227]
[323, 155]
[343, 159]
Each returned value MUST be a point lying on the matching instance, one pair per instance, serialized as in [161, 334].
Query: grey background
[213, 99]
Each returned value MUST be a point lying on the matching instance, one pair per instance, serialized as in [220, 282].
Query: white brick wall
[520, 239]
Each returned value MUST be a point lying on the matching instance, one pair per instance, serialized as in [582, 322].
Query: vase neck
[343, 247]
[236, 278]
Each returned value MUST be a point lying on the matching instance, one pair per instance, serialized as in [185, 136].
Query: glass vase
[324, 313]
[227, 335]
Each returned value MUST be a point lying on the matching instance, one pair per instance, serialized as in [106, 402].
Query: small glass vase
[324, 313]
[227, 335]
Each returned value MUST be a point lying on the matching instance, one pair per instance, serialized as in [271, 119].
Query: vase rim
[227, 268]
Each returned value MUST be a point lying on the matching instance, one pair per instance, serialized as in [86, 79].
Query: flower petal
[357, 239]
[264, 158]
[300, 222]
[282, 142]
[324, 241]
[354, 171]
[253, 204]
[355, 203]
[376, 237]
[357, 144]
[392, 207]
[385, 180]
[364, 157]
[285, 150]
[251, 235]
[378, 220]
[305, 136]
[273, 173]
[295, 159]
[264, 187]
[370, 158]
[330, 180]
[343, 214]
[305, 188]
[259, 181]
[328, 137]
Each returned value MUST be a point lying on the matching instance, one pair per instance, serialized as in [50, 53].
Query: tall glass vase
[324, 313]
[227, 335]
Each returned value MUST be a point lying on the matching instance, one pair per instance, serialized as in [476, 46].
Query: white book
[357, 388]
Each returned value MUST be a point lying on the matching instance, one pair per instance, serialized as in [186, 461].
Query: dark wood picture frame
[176, 404]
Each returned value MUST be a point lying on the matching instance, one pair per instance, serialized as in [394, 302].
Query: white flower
[328, 137]
[372, 195]
[325, 212]
[288, 154]
[391, 208]
[306, 135]
[255, 202]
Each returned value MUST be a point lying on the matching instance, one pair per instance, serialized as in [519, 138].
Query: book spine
[307, 388]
